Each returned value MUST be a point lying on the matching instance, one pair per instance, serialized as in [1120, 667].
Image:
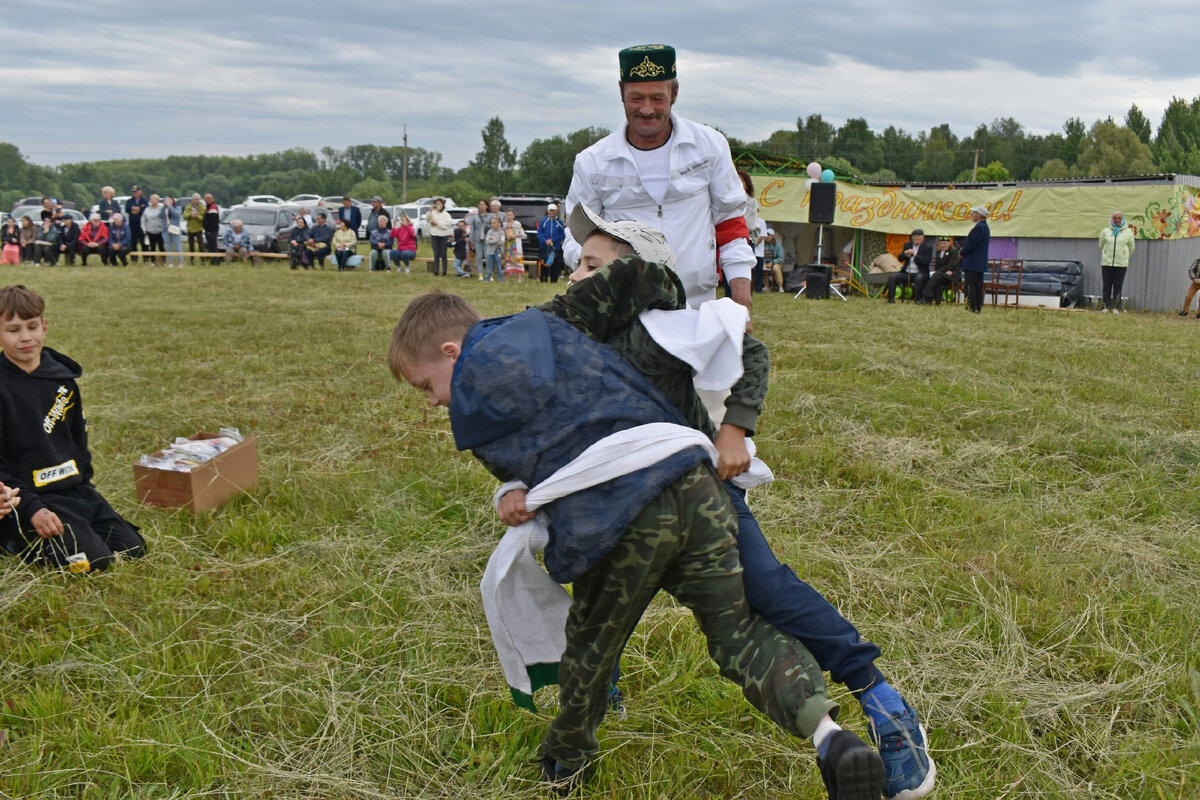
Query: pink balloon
[814, 170]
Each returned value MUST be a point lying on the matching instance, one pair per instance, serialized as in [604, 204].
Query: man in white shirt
[671, 173]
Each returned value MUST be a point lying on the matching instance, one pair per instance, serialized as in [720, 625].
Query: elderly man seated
[236, 241]
[914, 258]
[322, 236]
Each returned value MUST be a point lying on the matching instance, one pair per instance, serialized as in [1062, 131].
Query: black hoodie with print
[43, 434]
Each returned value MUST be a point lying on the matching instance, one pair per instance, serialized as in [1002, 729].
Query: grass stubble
[1007, 504]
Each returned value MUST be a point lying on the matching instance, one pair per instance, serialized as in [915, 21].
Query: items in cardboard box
[185, 454]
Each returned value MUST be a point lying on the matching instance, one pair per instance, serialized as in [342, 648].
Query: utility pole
[975, 168]
[404, 169]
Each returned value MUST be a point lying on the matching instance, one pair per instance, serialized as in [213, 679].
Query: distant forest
[1000, 151]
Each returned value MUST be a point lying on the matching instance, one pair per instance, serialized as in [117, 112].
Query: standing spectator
[134, 207]
[633, 173]
[212, 224]
[237, 243]
[477, 227]
[914, 257]
[108, 206]
[173, 238]
[322, 236]
[493, 244]
[943, 271]
[1193, 287]
[460, 250]
[405, 237]
[381, 242]
[975, 258]
[376, 210]
[514, 247]
[68, 240]
[351, 214]
[47, 242]
[1116, 246]
[550, 234]
[93, 240]
[28, 236]
[154, 226]
[119, 238]
[10, 243]
[756, 231]
[440, 225]
[773, 258]
[193, 213]
[300, 244]
[345, 242]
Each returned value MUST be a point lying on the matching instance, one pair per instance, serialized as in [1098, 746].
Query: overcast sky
[86, 81]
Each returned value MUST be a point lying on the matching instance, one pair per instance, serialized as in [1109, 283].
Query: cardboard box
[206, 486]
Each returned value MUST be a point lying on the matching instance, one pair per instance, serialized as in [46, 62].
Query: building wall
[1157, 277]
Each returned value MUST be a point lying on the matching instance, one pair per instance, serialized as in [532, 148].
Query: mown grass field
[1007, 503]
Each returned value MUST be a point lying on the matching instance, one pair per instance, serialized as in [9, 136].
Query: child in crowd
[493, 245]
[514, 247]
[529, 394]
[460, 249]
[63, 519]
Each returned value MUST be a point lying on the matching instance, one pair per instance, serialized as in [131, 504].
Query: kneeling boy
[62, 520]
[528, 394]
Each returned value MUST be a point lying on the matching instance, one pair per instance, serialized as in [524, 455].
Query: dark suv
[530, 209]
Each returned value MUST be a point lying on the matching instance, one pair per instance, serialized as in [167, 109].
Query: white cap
[649, 243]
[980, 210]
[770, 231]
[552, 207]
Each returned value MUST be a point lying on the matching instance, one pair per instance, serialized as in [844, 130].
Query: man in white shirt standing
[672, 174]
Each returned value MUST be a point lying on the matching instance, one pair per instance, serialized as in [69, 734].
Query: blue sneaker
[901, 740]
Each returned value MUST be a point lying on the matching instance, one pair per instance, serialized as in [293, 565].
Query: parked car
[529, 209]
[263, 200]
[35, 213]
[267, 225]
[305, 200]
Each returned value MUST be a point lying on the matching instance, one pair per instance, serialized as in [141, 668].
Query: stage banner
[1075, 212]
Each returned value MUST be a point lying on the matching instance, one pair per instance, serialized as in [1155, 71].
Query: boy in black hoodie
[62, 519]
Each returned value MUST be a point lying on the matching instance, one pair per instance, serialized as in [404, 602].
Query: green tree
[814, 138]
[1177, 146]
[1074, 132]
[1136, 121]
[856, 143]
[782, 141]
[495, 161]
[937, 162]
[546, 165]
[1112, 149]
[901, 152]
[994, 172]
[1054, 168]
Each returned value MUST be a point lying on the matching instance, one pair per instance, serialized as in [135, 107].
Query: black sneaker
[851, 769]
[562, 780]
[1183, 313]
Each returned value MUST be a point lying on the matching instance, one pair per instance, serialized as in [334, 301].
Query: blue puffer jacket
[530, 393]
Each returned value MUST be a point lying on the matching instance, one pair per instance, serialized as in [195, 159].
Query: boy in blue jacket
[528, 394]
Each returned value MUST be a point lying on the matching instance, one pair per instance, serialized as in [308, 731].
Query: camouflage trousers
[683, 542]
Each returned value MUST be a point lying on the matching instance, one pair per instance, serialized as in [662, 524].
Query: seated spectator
[1193, 287]
[773, 258]
[322, 236]
[914, 258]
[405, 237]
[236, 242]
[345, 242]
[93, 240]
[120, 237]
[68, 239]
[381, 242]
[47, 241]
[460, 249]
[28, 233]
[943, 272]
[300, 244]
[10, 243]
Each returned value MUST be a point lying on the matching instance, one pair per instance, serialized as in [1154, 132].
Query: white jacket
[704, 190]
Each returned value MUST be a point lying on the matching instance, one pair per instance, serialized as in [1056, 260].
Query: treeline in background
[1001, 151]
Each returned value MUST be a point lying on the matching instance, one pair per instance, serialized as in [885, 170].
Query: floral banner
[1166, 211]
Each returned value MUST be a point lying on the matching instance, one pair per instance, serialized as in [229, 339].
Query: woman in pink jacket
[405, 237]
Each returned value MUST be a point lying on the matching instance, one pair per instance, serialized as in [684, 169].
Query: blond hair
[429, 320]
